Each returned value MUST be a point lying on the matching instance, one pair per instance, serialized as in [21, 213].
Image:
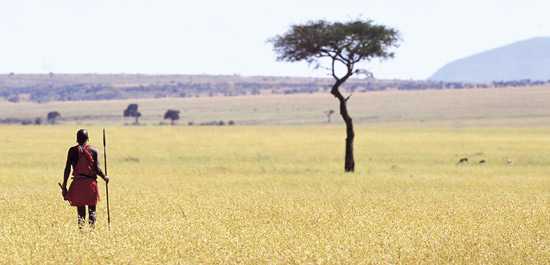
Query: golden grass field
[278, 195]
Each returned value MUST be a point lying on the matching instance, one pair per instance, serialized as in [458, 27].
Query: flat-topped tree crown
[132, 111]
[172, 115]
[53, 116]
[344, 42]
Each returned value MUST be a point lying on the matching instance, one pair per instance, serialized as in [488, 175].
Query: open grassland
[526, 107]
[277, 195]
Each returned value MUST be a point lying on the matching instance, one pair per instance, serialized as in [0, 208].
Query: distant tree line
[49, 90]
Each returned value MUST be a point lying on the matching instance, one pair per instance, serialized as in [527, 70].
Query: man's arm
[67, 171]
[98, 167]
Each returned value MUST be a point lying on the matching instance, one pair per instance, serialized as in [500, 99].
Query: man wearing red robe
[83, 191]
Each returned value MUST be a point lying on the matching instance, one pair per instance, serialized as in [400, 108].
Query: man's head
[82, 136]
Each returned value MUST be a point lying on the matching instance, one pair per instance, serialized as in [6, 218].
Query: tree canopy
[132, 111]
[172, 115]
[344, 42]
[53, 116]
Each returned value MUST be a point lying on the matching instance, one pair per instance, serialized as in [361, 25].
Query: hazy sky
[229, 37]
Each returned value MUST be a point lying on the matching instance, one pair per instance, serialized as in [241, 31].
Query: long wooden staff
[107, 183]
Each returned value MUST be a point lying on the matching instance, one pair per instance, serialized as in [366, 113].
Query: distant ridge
[528, 59]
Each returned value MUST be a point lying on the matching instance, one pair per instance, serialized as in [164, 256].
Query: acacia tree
[53, 116]
[172, 115]
[132, 111]
[344, 44]
[329, 114]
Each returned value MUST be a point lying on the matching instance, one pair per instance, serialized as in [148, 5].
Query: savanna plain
[278, 195]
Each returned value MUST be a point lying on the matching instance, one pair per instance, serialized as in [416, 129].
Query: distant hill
[528, 59]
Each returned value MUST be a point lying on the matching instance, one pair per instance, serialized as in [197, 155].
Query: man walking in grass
[83, 191]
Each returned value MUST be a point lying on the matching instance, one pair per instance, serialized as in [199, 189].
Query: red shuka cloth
[85, 163]
[83, 191]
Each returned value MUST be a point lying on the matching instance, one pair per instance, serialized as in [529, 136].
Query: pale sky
[229, 37]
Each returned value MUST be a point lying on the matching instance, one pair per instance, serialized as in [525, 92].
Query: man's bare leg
[81, 210]
[91, 215]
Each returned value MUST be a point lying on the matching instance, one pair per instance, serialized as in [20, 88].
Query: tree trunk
[349, 163]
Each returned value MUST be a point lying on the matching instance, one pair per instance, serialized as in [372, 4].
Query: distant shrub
[13, 99]
[172, 115]
[132, 111]
[53, 116]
